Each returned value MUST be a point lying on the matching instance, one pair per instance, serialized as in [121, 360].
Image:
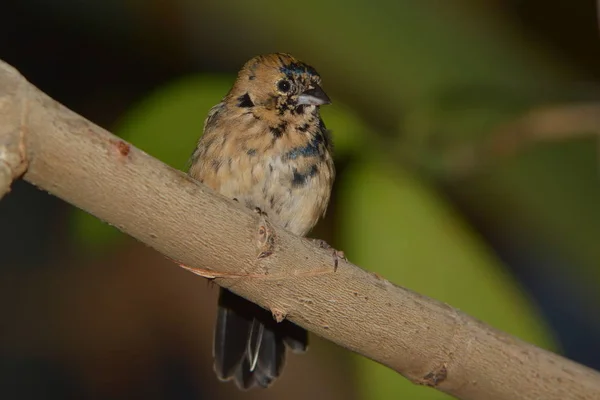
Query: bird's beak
[314, 96]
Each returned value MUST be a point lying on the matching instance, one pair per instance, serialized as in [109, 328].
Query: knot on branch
[435, 377]
[265, 235]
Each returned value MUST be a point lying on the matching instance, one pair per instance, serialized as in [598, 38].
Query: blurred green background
[466, 140]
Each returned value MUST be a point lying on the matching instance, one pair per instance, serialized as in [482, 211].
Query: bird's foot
[260, 212]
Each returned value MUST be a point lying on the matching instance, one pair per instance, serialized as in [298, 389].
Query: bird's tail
[249, 345]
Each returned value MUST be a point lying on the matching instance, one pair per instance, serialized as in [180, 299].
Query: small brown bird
[266, 146]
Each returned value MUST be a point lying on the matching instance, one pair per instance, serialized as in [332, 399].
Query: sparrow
[266, 146]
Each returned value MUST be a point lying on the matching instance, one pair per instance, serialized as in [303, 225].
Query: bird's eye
[284, 85]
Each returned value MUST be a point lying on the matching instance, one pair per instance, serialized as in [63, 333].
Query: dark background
[462, 175]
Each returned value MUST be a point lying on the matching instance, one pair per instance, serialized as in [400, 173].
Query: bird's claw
[260, 212]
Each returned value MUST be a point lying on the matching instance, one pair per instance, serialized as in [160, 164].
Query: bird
[266, 146]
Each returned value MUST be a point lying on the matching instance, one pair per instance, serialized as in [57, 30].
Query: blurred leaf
[399, 228]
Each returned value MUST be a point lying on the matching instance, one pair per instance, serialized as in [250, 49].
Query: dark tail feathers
[249, 344]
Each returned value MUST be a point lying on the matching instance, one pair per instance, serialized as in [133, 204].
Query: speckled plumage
[266, 145]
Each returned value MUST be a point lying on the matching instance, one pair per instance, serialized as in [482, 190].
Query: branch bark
[428, 342]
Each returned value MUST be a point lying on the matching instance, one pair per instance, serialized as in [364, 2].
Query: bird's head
[278, 83]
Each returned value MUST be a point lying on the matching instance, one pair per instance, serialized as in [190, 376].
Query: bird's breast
[285, 169]
[294, 193]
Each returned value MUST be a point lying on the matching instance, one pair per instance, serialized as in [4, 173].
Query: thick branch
[428, 342]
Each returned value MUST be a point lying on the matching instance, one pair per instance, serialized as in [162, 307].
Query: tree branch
[427, 341]
[545, 124]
